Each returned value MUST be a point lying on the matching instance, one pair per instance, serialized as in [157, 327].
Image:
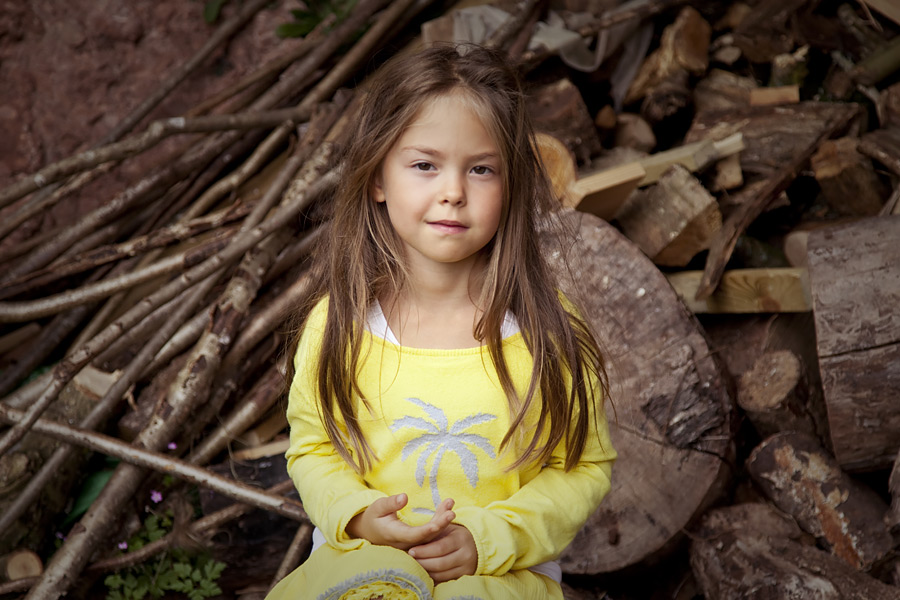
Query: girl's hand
[380, 525]
[449, 556]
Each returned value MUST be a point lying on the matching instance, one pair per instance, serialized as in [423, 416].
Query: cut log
[559, 165]
[727, 175]
[19, 565]
[751, 551]
[775, 395]
[673, 220]
[855, 283]
[847, 179]
[671, 421]
[559, 110]
[767, 31]
[747, 291]
[806, 482]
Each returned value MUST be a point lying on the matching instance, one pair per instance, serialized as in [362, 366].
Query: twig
[161, 463]
[296, 551]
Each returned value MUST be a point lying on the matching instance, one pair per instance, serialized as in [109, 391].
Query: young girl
[447, 432]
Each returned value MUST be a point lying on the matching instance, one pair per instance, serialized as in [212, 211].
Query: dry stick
[500, 38]
[197, 529]
[35, 309]
[105, 406]
[135, 455]
[262, 396]
[296, 551]
[186, 335]
[737, 222]
[531, 59]
[69, 366]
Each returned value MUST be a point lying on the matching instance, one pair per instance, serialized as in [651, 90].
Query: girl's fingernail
[412, 553]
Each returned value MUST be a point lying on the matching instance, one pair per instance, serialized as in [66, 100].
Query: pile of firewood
[731, 171]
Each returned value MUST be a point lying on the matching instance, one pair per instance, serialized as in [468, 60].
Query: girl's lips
[448, 226]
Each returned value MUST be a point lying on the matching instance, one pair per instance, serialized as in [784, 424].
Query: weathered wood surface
[672, 418]
[752, 552]
[805, 481]
[855, 283]
[847, 178]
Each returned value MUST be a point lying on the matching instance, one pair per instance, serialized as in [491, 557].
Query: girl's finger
[388, 506]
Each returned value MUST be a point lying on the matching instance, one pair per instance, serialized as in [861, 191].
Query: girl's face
[443, 185]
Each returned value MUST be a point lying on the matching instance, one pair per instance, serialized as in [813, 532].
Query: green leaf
[183, 570]
[211, 10]
[295, 30]
[90, 489]
[114, 581]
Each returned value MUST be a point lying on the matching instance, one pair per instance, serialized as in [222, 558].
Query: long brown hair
[362, 258]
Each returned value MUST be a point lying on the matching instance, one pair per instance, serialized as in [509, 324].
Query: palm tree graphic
[440, 437]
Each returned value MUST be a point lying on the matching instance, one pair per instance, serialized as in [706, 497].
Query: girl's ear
[377, 190]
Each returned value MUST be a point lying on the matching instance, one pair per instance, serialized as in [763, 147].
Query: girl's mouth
[448, 226]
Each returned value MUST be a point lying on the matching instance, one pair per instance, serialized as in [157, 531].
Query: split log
[673, 220]
[683, 48]
[747, 291]
[767, 31]
[694, 157]
[775, 395]
[770, 96]
[847, 179]
[727, 174]
[559, 110]
[671, 420]
[602, 193]
[806, 482]
[752, 551]
[632, 131]
[855, 278]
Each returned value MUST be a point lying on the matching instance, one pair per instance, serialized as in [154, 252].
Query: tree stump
[671, 421]
[803, 480]
[752, 552]
[854, 274]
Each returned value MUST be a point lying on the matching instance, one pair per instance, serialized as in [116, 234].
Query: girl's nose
[453, 191]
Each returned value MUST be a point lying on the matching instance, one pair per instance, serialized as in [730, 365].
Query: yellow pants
[374, 572]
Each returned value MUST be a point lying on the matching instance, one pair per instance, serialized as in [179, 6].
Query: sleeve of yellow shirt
[331, 490]
[538, 521]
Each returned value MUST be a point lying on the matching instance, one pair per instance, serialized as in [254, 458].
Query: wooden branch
[296, 551]
[747, 291]
[694, 157]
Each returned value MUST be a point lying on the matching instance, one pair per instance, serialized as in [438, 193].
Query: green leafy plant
[175, 570]
[316, 11]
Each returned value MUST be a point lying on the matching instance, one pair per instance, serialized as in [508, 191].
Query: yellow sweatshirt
[436, 422]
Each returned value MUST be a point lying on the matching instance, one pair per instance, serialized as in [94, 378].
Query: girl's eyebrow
[439, 154]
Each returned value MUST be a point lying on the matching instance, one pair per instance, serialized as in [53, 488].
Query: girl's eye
[482, 170]
[423, 166]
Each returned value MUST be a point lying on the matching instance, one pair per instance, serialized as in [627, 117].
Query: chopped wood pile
[732, 172]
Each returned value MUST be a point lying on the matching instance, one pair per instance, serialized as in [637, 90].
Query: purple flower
[60, 536]
[123, 545]
[156, 496]
[172, 446]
